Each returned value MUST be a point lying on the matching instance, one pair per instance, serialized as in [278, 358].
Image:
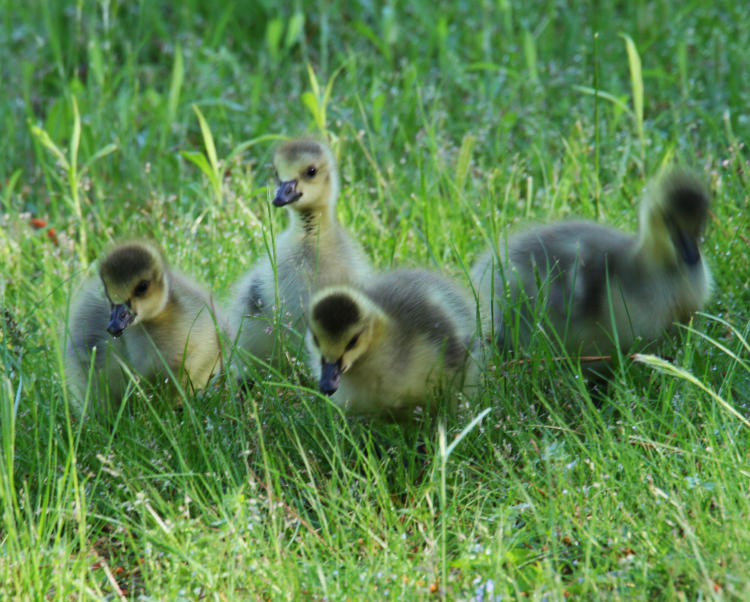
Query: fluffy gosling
[315, 251]
[140, 316]
[600, 288]
[382, 350]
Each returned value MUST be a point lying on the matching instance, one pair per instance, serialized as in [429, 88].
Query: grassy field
[452, 125]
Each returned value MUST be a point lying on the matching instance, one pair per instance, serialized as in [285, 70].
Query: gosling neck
[311, 221]
[653, 245]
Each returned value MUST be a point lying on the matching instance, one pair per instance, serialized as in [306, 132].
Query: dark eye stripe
[350, 345]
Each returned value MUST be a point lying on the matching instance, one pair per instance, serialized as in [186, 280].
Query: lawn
[453, 123]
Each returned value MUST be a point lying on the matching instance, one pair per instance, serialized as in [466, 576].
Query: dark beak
[287, 193]
[119, 320]
[330, 377]
[687, 246]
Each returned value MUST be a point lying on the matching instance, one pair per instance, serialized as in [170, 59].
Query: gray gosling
[315, 251]
[382, 351]
[140, 316]
[600, 288]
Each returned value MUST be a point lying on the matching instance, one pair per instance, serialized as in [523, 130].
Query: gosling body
[384, 350]
[592, 288]
[141, 317]
[314, 252]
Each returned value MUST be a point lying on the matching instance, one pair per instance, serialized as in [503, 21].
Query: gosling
[143, 317]
[384, 350]
[598, 288]
[314, 252]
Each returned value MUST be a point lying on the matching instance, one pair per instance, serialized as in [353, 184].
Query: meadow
[453, 123]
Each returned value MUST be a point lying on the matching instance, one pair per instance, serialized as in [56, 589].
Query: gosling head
[675, 218]
[307, 175]
[343, 325]
[134, 278]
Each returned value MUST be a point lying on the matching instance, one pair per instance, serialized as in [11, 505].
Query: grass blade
[102, 152]
[529, 52]
[44, 139]
[464, 161]
[636, 81]
[668, 368]
[208, 140]
[75, 142]
[175, 87]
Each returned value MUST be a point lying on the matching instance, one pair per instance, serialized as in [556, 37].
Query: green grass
[451, 126]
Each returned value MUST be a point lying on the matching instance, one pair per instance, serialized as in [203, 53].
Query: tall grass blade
[75, 142]
[294, 29]
[636, 81]
[212, 169]
[529, 52]
[464, 161]
[175, 88]
[274, 30]
[208, 139]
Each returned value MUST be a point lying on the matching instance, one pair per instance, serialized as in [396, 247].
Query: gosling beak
[287, 193]
[119, 320]
[689, 249]
[330, 377]
[686, 245]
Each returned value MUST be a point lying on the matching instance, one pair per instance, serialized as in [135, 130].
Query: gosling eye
[352, 342]
[311, 171]
[141, 288]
